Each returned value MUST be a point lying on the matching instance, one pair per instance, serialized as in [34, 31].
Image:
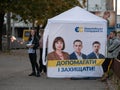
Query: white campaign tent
[75, 23]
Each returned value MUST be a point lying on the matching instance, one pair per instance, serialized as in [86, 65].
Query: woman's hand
[30, 46]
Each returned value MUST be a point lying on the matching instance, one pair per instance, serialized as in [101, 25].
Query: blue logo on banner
[81, 29]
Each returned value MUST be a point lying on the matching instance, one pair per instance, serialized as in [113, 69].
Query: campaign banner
[76, 50]
[75, 68]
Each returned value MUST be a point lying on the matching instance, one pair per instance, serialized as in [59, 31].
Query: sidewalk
[13, 62]
[14, 70]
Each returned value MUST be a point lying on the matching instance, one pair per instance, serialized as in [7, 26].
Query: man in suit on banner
[77, 45]
[95, 54]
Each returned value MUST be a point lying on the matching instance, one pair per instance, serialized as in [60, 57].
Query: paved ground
[14, 70]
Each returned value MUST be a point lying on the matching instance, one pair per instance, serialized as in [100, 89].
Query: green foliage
[40, 10]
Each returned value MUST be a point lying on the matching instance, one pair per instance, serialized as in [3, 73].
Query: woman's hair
[31, 35]
[56, 40]
[107, 13]
[114, 32]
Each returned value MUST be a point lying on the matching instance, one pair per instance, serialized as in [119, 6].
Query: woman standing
[33, 43]
[42, 67]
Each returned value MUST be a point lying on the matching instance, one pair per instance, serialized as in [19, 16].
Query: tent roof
[76, 14]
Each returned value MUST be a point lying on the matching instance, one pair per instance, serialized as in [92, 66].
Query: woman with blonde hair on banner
[58, 53]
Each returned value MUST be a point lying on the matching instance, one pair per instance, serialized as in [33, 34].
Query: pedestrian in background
[113, 49]
[118, 35]
[32, 44]
[42, 67]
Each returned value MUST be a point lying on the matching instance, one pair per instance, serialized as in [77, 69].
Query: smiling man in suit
[77, 55]
[95, 54]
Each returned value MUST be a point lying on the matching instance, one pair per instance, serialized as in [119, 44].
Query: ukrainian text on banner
[73, 42]
[75, 68]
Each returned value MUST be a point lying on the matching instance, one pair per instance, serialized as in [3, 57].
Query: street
[14, 70]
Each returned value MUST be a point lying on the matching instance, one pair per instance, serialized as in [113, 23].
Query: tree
[1, 26]
[41, 10]
[3, 6]
[34, 10]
